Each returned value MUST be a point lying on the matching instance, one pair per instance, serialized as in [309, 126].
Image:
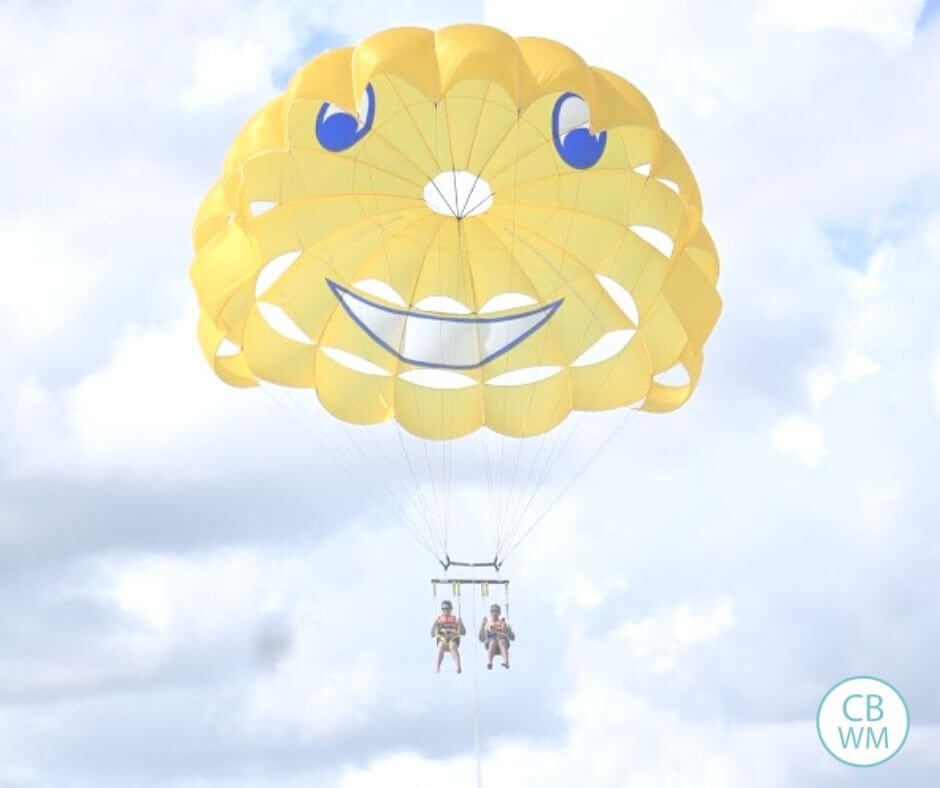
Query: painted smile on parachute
[429, 339]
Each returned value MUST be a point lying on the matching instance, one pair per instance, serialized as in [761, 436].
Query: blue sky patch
[852, 246]
[928, 13]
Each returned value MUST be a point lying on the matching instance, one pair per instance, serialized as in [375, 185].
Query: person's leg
[504, 651]
[441, 648]
[454, 650]
[490, 653]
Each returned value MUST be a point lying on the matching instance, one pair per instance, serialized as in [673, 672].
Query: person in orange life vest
[446, 630]
[496, 633]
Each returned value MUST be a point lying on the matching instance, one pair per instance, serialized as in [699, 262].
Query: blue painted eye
[338, 130]
[572, 134]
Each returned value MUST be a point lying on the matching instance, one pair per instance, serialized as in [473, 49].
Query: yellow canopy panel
[455, 229]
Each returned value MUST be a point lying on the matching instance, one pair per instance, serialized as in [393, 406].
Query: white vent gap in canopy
[676, 375]
[458, 193]
[522, 377]
[669, 184]
[280, 321]
[621, 297]
[259, 207]
[438, 378]
[227, 348]
[273, 270]
[354, 362]
[654, 237]
[606, 347]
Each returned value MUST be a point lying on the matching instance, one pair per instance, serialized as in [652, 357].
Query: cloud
[890, 24]
[199, 592]
[658, 641]
[154, 408]
[798, 437]
[226, 69]
[935, 380]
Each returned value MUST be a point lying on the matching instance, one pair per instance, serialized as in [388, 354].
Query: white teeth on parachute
[443, 304]
[504, 301]
[379, 289]
[441, 341]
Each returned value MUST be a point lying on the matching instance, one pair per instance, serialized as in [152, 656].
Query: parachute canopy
[455, 229]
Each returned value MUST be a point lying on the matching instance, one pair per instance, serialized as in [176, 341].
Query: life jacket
[447, 622]
[497, 627]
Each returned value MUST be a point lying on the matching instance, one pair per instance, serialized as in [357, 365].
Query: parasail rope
[523, 497]
[591, 460]
[476, 691]
[438, 552]
[389, 500]
[416, 499]
[517, 520]
[441, 514]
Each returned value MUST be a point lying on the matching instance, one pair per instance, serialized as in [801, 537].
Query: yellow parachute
[447, 229]
[457, 230]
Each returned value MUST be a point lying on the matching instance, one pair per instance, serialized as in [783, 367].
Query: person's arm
[509, 633]
[461, 627]
[434, 627]
[483, 630]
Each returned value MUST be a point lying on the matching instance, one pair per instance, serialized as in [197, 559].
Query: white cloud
[154, 408]
[796, 436]
[46, 279]
[858, 366]
[889, 23]
[226, 69]
[617, 741]
[154, 397]
[657, 642]
[935, 380]
[821, 382]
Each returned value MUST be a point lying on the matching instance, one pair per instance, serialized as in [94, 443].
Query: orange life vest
[496, 627]
[447, 622]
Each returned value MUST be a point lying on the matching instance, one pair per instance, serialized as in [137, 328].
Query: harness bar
[447, 563]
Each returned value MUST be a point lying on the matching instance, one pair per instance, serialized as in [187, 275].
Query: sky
[194, 594]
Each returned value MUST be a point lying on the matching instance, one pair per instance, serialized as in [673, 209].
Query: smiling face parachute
[457, 229]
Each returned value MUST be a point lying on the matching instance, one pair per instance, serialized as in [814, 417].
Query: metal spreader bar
[447, 563]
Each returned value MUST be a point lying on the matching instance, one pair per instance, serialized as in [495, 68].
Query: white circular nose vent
[458, 193]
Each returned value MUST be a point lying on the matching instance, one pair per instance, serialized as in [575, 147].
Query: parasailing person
[446, 630]
[496, 634]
